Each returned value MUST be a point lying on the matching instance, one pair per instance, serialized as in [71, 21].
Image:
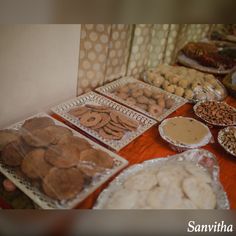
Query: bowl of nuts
[227, 139]
[216, 113]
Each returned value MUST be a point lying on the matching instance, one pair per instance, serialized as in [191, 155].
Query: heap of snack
[147, 99]
[227, 139]
[184, 133]
[108, 123]
[51, 157]
[188, 83]
[175, 185]
[216, 113]
[208, 55]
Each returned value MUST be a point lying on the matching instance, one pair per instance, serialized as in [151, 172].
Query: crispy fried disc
[14, 152]
[63, 155]
[105, 120]
[113, 132]
[81, 143]
[96, 158]
[97, 108]
[78, 111]
[34, 165]
[37, 123]
[7, 136]
[57, 132]
[105, 135]
[63, 184]
[90, 119]
[128, 122]
[114, 116]
[38, 138]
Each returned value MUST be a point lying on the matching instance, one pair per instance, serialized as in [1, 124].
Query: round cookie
[136, 92]
[142, 100]
[200, 193]
[7, 136]
[169, 102]
[131, 101]
[34, 165]
[122, 95]
[188, 94]
[105, 135]
[128, 122]
[113, 132]
[63, 155]
[37, 123]
[57, 132]
[97, 158]
[147, 92]
[155, 110]
[80, 143]
[105, 120]
[78, 111]
[142, 106]
[90, 119]
[63, 184]
[179, 91]
[14, 152]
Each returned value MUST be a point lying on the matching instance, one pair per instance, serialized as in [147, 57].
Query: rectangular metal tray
[109, 88]
[96, 99]
[43, 200]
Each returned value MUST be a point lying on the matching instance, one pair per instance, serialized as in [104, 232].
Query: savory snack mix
[108, 123]
[184, 82]
[216, 113]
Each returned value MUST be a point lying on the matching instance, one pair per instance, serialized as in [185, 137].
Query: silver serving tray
[182, 147]
[41, 199]
[186, 61]
[195, 156]
[208, 122]
[109, 88]
[193, 101]
[96, 99]
[221, 135]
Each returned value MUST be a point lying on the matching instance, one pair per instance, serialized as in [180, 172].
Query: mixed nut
[216, 113]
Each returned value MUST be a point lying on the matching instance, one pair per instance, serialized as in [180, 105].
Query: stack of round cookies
[49, 154]
[108, 123]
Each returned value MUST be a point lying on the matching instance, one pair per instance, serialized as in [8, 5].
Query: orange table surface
[150, 145]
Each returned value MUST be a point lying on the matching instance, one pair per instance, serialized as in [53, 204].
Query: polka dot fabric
[93, 56]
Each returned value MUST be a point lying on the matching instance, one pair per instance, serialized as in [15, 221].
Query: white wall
[38, 68]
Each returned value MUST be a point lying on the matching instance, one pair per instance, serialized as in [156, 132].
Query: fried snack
[14, 152]
[63, 155]
[78, 111]
[90, 119]
[7, 136]
[81, 143]
[63, 184]
[37, 123]
[96, 158]
[34, 165]
[217, 113]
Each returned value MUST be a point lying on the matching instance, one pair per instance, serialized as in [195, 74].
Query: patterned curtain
[108, 52]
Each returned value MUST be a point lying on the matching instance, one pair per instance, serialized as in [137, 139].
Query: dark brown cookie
[7, 136]
[14, 152]
[81, 143]
[37, 123]
[90, 119]
[97, 158]
[38, 138]
[57, 132]
[63, 184]
[63, 155]
[34, 165]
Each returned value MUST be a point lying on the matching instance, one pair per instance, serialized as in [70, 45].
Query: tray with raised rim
[108, 89]
[92, 98]
[199, 157]
[211, 122]
[37, 195]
